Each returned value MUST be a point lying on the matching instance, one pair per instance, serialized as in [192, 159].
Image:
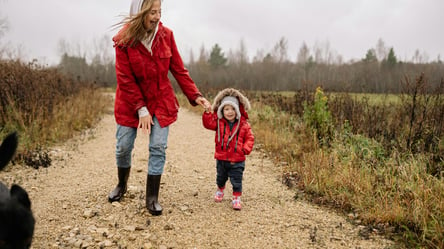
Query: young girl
[234, 140]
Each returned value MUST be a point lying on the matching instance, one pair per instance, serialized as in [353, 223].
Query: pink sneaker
[236, 203]
[218, 196]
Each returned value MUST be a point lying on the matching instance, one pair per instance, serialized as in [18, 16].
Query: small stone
[147, 245]
[103, 231]
[78, 243]
[130, 228]
[116, 204]
[168, 227]
[92, 228]
[106, 243]
[88, 213]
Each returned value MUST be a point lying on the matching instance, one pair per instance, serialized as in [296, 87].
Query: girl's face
[153, 16]
[229, 113]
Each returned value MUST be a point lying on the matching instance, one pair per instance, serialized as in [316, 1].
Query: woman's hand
[145, 123]
[204, 103]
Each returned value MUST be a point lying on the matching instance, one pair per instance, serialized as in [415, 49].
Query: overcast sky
[349, 27]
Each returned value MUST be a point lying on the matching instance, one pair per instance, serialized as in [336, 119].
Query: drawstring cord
[236, 132]
[222, 145]
[237, 140]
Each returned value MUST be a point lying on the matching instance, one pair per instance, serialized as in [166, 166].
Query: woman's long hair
[134, 30]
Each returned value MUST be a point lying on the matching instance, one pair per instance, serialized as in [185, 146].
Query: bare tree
[8, 50]
[239, 56]
[381, 50]
[4, 26]
[101, 50]
[191, 59]
[419, 57]
[71, 49]
[203, 56]
[242, 53]
[260, 55]
[279, 51]
[328, 56]
[318, 53]
[303, 54]
[14, 51]
[324, 54]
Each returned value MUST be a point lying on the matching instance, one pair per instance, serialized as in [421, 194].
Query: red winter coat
[241, 144]
[142, 80]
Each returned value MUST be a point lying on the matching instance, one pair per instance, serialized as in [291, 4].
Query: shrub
[318, 117]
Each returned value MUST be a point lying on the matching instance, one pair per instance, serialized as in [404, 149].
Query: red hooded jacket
[142, 80]
[240, 146]
[242, 142]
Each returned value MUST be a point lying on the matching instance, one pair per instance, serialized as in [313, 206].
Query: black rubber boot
[120, 190]
[152, 194]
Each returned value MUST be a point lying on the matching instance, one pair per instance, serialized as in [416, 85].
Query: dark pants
[234, 171]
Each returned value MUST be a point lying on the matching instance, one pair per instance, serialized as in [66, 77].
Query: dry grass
[393, 194]
[45, 107]
[392, 191]
[397, 195]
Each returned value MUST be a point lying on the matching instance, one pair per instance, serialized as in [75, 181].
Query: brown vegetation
[45, 107]
[368, 165]
[383, 164]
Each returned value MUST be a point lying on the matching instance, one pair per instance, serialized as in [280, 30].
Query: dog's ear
[7, 149]
[20, 195]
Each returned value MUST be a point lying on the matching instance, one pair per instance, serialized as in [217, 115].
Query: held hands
[204, 103]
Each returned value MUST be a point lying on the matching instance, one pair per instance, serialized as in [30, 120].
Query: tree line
[379, 71]
[376, 72]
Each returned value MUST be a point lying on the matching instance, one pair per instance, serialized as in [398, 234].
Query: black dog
[16, 219]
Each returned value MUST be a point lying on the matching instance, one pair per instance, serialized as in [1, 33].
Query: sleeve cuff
[143, 112]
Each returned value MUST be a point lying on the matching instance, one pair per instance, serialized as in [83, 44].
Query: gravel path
[69, 199]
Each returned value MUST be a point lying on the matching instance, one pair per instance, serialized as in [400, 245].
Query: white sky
[350, 27]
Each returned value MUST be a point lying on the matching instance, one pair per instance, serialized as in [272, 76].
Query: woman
[145, 52]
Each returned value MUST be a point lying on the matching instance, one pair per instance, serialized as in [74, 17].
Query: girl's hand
[204, 103]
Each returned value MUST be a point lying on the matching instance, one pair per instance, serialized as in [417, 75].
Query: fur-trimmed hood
[244, 103]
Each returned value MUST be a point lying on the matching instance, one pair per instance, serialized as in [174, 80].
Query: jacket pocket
[168, 100]
[137, 65]
[166, 54]
[164, 58]
[172, 106]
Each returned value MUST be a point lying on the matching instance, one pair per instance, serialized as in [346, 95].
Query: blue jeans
[234, 171]
[158, 143]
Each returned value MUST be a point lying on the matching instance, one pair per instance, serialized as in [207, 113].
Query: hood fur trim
[231, 92]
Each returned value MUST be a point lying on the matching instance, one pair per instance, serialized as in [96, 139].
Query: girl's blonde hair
[134, 30]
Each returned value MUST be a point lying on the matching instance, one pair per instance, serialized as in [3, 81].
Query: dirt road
[69, 199]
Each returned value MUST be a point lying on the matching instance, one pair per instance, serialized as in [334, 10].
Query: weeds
[45, 107]
[382, 163]
[389, 188]
[318, 117]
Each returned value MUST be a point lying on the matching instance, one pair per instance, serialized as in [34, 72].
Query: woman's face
[153, 16]
[229, 113]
